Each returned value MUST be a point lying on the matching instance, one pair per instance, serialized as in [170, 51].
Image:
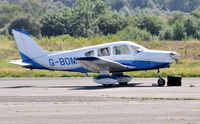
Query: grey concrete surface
[79, 100]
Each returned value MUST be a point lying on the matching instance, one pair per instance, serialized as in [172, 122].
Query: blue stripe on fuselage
[144, 65]
[139, 65]
[81, 69]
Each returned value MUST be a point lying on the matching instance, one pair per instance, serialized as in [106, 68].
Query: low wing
[96, 64]
[20, 63]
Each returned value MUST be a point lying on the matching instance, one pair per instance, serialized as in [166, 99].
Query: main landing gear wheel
[107, 85]
[121, 78]
[123, 83]
[161, 82]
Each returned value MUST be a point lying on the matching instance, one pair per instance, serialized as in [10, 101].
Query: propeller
[169, 48]
[177, 61]
[175, 56]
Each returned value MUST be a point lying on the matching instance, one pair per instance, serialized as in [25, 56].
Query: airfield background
[68, 24]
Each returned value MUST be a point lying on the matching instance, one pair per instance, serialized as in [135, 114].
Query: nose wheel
[161, 82]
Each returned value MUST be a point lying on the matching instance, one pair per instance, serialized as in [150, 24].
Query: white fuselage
[66, 60]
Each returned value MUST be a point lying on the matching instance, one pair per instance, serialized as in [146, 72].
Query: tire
[161, 82]
[123, 83]
[107, 85]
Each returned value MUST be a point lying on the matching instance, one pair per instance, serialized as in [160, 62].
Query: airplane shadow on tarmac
[111, 87]
[81, 87]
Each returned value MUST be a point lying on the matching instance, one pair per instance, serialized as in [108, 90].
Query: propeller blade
[169, 48]
[175, 56]
[177, 61]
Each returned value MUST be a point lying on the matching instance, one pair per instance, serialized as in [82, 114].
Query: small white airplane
[109, 60]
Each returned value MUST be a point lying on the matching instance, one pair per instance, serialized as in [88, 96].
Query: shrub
[179, 32]
[151, 23]
[166, 34]
[31, 25]
[134, 33]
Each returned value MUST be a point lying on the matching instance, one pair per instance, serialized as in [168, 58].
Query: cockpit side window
[104, 51]
[136, 49]
[89, 53]
[120, 50]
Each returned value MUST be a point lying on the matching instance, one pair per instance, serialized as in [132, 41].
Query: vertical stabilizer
[28, 48]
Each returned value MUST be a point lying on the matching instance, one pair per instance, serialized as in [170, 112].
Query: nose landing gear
[161, 82]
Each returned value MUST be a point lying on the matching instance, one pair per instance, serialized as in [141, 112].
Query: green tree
[30, 24]
[176, 17]
[111, 23]
[134, 33]
[179, 31]
[82, 18]
[116, 4]
[142, 3]
[196, 13]
[9, 12]
[166, 33]
[85, 17]
[53, 24]
[191, 26]
[151, 23]
[181, 5]
[33, 7]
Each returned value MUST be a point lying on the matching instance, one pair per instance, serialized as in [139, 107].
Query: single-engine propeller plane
[110, 60]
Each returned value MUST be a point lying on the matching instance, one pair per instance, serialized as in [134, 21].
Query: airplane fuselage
[140, 60]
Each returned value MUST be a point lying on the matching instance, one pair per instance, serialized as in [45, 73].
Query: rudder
[28, 48]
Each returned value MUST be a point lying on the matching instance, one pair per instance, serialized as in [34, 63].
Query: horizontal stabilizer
[20, 63]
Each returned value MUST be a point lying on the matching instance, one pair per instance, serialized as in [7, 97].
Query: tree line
[87, 18]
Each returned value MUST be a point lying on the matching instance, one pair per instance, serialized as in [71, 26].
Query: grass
[189, 65]
[186, 68]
